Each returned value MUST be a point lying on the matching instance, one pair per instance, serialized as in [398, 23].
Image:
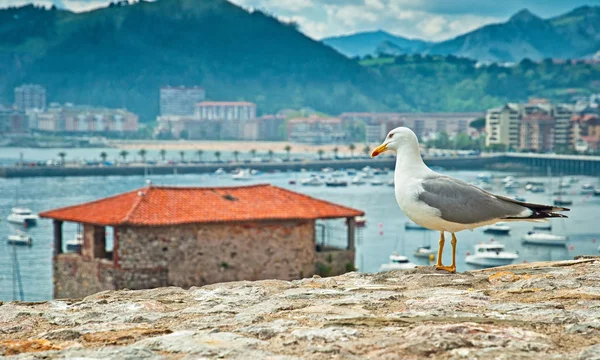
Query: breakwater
[471, 162]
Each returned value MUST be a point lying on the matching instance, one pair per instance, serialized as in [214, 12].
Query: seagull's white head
[396, 140]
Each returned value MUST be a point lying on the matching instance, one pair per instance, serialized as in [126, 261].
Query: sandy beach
[241, 146]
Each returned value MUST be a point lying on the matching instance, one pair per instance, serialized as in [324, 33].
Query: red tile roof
[159, 206]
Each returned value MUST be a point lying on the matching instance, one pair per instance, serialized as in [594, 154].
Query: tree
[103, 156]
[366, 150]
[62, 156]
[352, 147]
[320, 152]
[123, 154]
[253, 152]
[235, 155]
[142, 154]
[478, 124]
[182, 155]
[218, 155]
[335, 152]
[287, 150]
[199, 153]
[271, 153]
[163, 154]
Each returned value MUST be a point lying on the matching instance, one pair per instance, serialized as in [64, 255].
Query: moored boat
[499, 228]
[538, 238]
[489, 255]
[19, 238]
[75, 244]
[397, 262]
[335, 182]
[424, 252]
[22, 216]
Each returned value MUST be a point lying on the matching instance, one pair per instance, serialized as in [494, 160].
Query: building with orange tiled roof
[183, 236]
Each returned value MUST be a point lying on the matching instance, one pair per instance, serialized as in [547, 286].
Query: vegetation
[335, 152]
[271, 153]
[123, 154]
[320, 152]
[142, 153]
[199, 154]
[352, 147]
[236, 153]
[218, 155]
[182, 155]
[163, 154]
[103, 156]
[287, 150]
[62, 156]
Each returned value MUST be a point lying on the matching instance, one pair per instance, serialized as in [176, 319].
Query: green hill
[121, 55]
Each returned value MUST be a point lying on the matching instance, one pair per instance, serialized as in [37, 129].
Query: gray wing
[463, 203]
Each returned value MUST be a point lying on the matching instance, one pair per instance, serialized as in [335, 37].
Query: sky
[433, 20]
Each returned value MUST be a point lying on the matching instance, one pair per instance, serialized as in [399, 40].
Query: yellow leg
[440, 250]
[451, 268]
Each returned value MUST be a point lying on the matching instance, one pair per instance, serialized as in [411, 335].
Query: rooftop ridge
[43, 213]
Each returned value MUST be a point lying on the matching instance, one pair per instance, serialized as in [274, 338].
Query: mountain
[368, 43]
[525, 35]
[121, 55]
[575, 34]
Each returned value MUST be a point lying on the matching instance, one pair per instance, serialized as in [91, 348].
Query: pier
[466, 162]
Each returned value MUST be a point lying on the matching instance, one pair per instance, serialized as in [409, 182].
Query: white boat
[485, 177]
[573, 180]
[424, 252]
[338, 173]
[242, 175]
[20, 238]
[537, 189]
[511, 185]
[491, 255]
[75, 244]
[360, 221]
[397, 262]
[497, 228]
[564, 185]
[219, 171]
[311, 181]
[358, 180]
[376, 182]
[409, 225]
[327, 170]
[508, 179]
[587, 189]
[390, 183]
[22, 216]
[538, 238]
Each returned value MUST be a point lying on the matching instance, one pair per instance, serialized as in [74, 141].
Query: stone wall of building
[332, 261]
[77, 277]
[199, 254]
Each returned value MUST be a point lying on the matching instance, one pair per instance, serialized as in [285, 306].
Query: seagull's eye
[390, 136]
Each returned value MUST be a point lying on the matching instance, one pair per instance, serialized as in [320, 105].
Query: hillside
[120, 56]
[364, 43]
[575, 34]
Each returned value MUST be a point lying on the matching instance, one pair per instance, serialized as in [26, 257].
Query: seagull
[445, 204]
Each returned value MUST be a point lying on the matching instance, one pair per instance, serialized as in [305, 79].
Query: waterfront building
[30, 96]
[377, 125]
[184, 236]
[13, 121]
[83, 120]
[534, 126]
[586, 129]
[266, 127]
[316, 130]
[225, 110]
[180, 100]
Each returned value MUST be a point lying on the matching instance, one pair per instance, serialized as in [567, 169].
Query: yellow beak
[378, 150]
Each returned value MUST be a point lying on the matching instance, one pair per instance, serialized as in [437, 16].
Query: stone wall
[332, 261]
[199, 254]
[77, 277]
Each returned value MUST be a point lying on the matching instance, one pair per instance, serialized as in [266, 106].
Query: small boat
[220, 171]
[559, 193]
[531, 184]
[380, 172]
[564, 185]
[499, 228]
[537, 189]
[511, 185]
[74, 245]
[351, 172]
[397, 262]
[376, 182]
[520, 198]
[327, 170]
[489, 255]
[484, 177]
[573, 180]
[508, 179]
[538, 238]
[597, 192]
[292, 182]
[390, 183]
[358, 180]
[424, 252]
[20, 238]
[22, 216]
[562, 202]
[242, 175]
[254, 172]
[409, 225]
[360, 221]
[338, 173]
[334, 182]
[587, 189]
[542, 226]
[311, 181]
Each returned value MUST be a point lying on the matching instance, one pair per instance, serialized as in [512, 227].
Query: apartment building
[316, 130]
[83, 120]
[585, 133]
[12, 121]
[535, 126]
[267, 127]
[30, 96]
[180, 100]
[225, 110]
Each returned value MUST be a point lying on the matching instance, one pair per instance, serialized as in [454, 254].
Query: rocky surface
[529, 311]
